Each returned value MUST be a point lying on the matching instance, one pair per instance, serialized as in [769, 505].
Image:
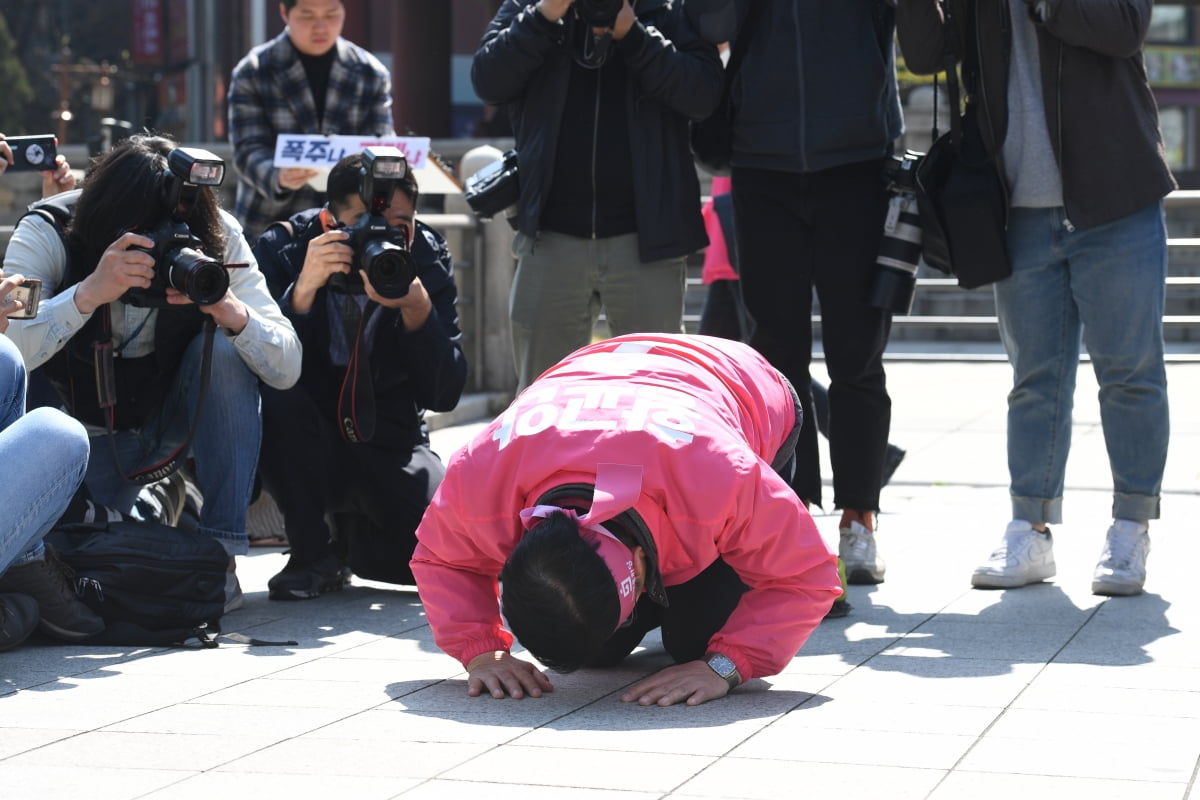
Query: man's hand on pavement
[694, 683]
[500, 674]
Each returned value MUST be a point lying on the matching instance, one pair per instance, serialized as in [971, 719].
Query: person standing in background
[610, 203]
[816, 112]
[308, 79]
[1072, 123]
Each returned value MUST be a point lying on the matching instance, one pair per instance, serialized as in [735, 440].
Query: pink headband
[618, 487]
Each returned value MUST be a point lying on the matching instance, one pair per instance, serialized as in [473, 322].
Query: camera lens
[899, 256]
[390, 268]
[203, 280]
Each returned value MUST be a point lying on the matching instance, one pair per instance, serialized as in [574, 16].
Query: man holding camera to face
[137, 272]
[371, 292]
[600, 93]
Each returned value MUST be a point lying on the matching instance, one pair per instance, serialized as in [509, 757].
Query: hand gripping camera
[179, 259]
[379, 249]
[895, 283]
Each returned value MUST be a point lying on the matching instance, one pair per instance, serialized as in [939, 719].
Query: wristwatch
[724, 666]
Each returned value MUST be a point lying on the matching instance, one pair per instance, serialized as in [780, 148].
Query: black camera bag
[961, 196]
[495, 187]
[151, 583]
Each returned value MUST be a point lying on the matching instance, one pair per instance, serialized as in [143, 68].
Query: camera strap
[356, 400]
[106, 386]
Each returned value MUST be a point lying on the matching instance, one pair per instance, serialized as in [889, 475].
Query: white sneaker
[856, 548]
[1024, 556]
[1122, 567]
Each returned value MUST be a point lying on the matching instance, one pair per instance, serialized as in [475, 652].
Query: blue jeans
[44, 454]
[1105, 286]
[225, 448]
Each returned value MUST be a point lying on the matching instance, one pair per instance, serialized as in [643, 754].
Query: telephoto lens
[895, 282]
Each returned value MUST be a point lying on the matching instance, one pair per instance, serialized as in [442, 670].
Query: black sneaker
[51, 583]
[18, 619]
[304, 581]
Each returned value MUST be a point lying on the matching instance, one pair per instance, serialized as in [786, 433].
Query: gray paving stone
[929, 689]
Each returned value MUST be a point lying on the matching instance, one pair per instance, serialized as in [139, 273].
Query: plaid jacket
[269, 95]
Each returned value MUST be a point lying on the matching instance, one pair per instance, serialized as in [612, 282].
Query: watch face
[722, 665]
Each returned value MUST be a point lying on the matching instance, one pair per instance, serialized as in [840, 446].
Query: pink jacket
[716, 255]
[704, 417]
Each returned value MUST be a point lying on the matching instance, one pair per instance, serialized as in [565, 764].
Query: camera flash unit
[197, 166]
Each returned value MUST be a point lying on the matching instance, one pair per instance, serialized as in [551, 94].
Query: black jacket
[1100, 111]
[674, 76]
[411, 371]
[817, 88]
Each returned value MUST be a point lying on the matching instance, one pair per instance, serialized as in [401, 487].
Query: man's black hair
[344, 182]
[290, 4]
[558, 596]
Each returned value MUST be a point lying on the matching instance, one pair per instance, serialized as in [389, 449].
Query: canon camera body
[179, 259]
[380, 249]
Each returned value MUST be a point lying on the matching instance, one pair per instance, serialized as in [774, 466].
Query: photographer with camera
[372, 294]
[600, 93]
[137, 272]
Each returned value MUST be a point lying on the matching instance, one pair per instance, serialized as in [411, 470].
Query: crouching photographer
[134, 286]
[372, 294]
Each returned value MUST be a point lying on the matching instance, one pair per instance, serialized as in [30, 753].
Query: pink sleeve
[793, 577]
[716, 256]
[457, 580]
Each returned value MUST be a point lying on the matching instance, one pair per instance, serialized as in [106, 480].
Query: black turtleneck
[317, 69]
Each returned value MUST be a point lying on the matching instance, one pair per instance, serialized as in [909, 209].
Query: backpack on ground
[152, 584]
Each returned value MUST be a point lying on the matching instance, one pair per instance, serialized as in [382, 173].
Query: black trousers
[311, 471]
[697, 610]
[800, 233]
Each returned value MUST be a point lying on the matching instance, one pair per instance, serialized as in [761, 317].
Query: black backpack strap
[57, 210]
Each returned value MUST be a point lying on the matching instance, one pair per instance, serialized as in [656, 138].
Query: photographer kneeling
[371, 292]
[134, 283]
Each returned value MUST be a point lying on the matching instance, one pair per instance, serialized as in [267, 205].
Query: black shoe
[304, 581]
[18, 619]
[52, 584]
[891, 460]
[840, 608]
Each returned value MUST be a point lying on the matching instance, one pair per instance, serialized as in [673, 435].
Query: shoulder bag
[961, 197]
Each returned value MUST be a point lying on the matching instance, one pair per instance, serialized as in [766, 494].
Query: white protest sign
[315, 151]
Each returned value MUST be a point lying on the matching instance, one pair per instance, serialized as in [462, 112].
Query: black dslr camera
[895, 283]
[379, 248]
[179, 259]
[494, 187]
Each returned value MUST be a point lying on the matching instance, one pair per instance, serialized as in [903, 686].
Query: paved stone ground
[929, 689]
